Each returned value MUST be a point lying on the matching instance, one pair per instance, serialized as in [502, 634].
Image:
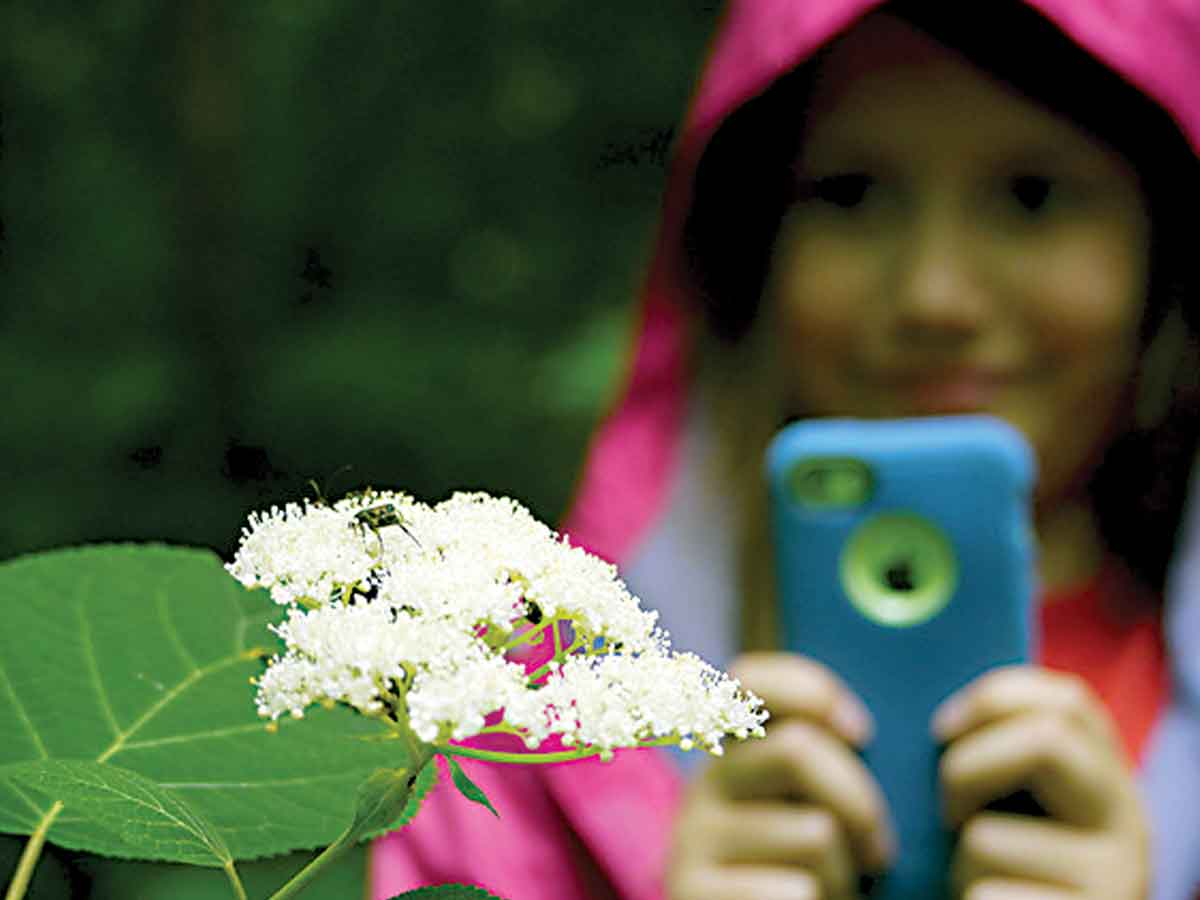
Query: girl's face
[958, 248]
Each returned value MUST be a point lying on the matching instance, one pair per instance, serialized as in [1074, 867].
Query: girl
[885, 210]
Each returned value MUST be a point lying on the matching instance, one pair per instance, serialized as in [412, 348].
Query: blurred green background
[246, 244]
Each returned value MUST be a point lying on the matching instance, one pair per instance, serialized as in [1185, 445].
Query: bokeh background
[248, 243]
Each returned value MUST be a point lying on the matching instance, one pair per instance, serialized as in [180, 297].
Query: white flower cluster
[398, 608]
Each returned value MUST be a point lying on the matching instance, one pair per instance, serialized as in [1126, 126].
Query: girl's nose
[939, 294]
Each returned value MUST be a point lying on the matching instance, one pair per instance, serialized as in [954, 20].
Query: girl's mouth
[949, 392]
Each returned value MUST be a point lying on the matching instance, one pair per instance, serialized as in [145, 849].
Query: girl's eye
[843, 191]
[1031, 191]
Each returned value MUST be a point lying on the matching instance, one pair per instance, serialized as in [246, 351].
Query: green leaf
[382, 799]
[134, 812]
[426, 779]
[466, 786]
[140, 656]
[447, 892]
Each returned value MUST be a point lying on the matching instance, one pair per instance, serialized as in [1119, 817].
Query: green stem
[351, 836]
[402, 727]
[31, 854]
[525, 637]
[535, 758]
[559, 656]
[232, 875]
[301, 879]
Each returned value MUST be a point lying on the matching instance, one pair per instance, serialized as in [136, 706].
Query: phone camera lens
[898, 569]
[899, 576]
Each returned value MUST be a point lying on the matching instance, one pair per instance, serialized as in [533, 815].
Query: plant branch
[301, 879]
[232, 875]
[31, 854]
[383, 807]
[533, 633]
[401, 727]
[536, 758]
[559, 656]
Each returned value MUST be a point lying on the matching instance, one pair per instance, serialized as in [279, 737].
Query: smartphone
[904, 562]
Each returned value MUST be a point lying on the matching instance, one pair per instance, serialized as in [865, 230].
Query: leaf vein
[242, 785]
[89, 655]
[16, 789]
[159, 810]
[157, 707]
[195, 736]
[239, 635]
[160, 601]
[187, 822]
[24, 716]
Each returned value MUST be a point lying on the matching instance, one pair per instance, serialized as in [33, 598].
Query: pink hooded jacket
[593, 829]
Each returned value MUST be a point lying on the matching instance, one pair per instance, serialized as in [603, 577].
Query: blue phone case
[904, 560]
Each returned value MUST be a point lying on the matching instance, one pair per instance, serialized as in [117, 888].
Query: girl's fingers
[770, 834]
[746, 844]
[995, 845]
[795, 687]
[759, 882]
[1011, 850]
[1014, 690]
[801, 761]
[1023, 727]
[1074, 777]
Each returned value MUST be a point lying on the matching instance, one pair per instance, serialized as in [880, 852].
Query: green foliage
[390, 798]
[447, 892]
[467, 787]
[481, 188]
[131, 815]
[139, 657]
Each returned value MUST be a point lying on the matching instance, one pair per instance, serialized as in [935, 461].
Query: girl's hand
[1028, 728]
[793, 816]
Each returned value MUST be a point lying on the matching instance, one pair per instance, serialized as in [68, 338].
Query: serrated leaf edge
[427, 777]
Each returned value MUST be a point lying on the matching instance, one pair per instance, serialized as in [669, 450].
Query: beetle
[374, 518]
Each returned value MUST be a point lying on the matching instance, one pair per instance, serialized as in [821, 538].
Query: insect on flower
[376, 517]
[372, 518]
